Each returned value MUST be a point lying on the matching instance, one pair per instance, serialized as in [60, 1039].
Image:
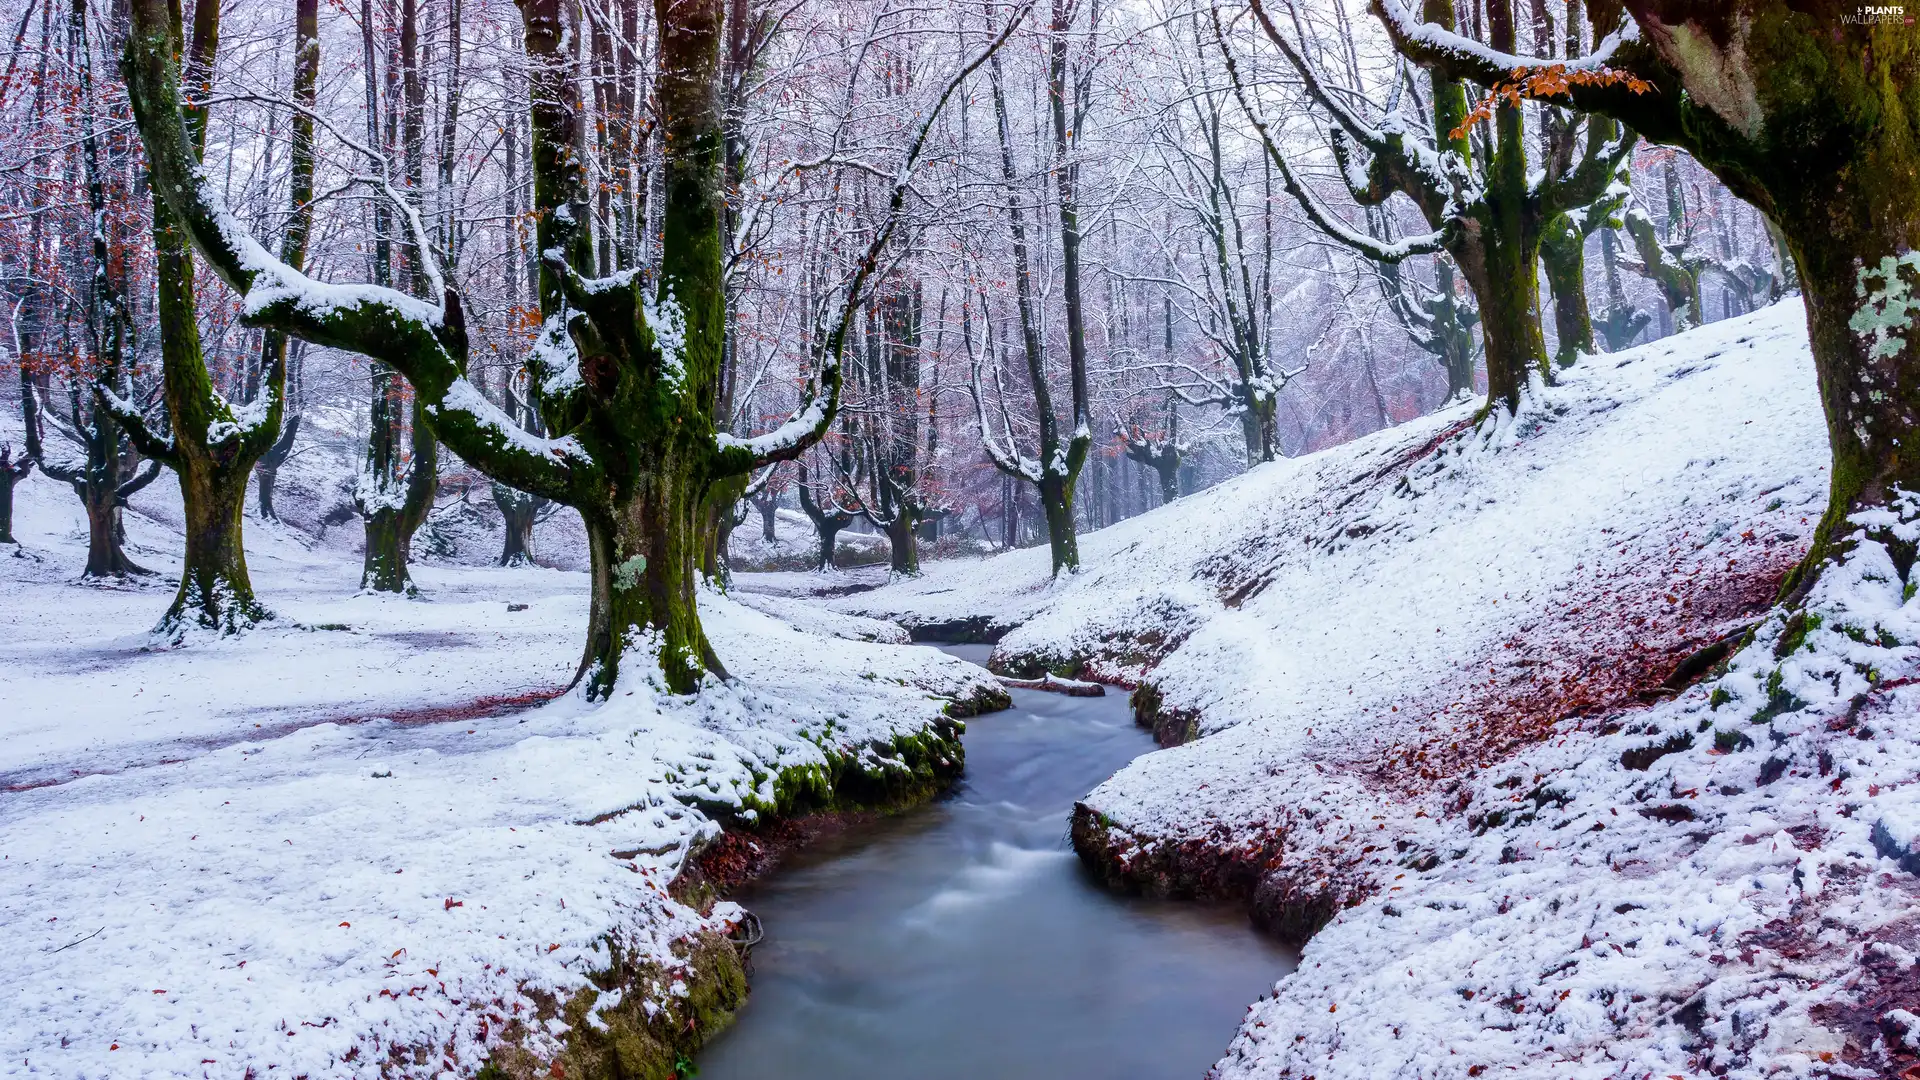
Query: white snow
[297, 851]
[1412, 669]
[1416, 662]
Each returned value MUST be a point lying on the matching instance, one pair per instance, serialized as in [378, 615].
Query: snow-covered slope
[355, 843]
[1412, 677]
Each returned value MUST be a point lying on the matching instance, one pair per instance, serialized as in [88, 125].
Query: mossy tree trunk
[724, 514]
[1677, 277]
[397, 488]
[904, 545]
[1563, 252]
[396, 492]
[211, 447]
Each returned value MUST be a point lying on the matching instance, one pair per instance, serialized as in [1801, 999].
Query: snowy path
[85, 693]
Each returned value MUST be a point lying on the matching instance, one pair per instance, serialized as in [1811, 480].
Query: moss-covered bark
[212, 446]
[1678, 279]
[397, 495]
[1563, 252]
[904, 545]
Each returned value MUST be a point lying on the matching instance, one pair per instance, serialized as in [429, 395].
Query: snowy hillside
[362, 841]
[1418, 669]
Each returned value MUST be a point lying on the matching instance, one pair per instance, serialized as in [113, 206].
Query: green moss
[627, 1043]
[1794, 635]
[1779, 701]
[1729, 741]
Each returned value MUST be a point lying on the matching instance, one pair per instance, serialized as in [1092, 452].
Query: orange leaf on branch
[1537, 84]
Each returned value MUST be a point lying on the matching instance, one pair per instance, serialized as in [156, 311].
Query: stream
[964, 940]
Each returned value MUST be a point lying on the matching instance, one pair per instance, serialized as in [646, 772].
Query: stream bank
[964, 939]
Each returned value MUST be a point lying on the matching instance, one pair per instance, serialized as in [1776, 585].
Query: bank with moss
[644, 1020]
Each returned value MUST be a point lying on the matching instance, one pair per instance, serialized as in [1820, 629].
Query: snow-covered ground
[1412, 677]
[361, 841]
[796, 546]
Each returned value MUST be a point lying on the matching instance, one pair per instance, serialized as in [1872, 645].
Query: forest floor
[1435, 702]
[1429, 698]
[371, 836]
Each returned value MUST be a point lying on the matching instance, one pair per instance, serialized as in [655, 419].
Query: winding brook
[964, 940]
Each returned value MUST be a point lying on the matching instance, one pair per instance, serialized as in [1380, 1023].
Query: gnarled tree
[623, 368]
[211, 443]
[1486, 207]
[1808, 117]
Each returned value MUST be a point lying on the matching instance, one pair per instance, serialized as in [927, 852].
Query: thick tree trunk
[904, 541]
[518, 510]
[1056, 501]
[1856, 265]
[390, 522]
[1168, 471]
[647, 541]
[1257, 414]
[645, 565]
[215, 592]
[10, 476]
[768, 511]
[1505, 285]
[106, 538]
[1563, 253]
[828, 531]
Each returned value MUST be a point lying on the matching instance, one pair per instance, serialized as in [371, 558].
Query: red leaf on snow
[551, 948]
[452, 903]
[346, 924]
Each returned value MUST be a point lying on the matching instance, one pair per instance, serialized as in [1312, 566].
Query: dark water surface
[964, 940]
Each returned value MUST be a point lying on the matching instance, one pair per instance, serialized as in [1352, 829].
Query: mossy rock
[628, 1044]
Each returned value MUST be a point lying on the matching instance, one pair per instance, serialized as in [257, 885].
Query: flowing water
[964, 940]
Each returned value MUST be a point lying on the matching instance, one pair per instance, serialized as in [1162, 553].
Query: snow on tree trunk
[518, 510]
